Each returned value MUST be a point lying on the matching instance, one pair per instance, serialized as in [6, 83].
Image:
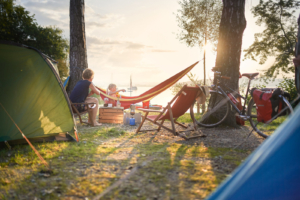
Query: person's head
[88, 74]
[112, 87]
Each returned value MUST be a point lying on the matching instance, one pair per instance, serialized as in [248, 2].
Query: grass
[267, 129]
[166, 170]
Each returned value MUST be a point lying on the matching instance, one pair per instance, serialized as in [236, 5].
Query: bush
[288, 85]
[194, 80]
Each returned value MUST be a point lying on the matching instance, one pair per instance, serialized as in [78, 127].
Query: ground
[112, 162]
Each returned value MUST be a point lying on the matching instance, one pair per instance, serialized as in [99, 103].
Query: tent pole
[36, 152]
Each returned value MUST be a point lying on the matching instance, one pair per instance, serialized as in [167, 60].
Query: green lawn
[145, 166]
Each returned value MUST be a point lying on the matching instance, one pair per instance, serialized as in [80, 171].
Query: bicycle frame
[219, 89]
[245, 98]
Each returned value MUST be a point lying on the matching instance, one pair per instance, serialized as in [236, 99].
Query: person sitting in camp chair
[81, 94]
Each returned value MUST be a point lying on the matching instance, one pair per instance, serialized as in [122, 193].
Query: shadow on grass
[167, 169]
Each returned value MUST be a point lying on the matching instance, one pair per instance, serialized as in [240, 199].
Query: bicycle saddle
[250, 75]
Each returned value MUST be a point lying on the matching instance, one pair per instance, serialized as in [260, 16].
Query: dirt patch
[220, 136]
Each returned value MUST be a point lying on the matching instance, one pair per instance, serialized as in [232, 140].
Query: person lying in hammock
[81, 94]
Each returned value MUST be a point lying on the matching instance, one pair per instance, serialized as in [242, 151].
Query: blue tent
[270, 172]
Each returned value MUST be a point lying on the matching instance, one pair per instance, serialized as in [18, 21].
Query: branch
[290, 46]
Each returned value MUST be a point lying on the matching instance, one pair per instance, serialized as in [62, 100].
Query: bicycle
[219, 106]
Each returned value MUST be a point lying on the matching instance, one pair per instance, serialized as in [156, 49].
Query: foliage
[194, 81]
[19, 26]
[288, 85]
[199, 21]
[279, 37]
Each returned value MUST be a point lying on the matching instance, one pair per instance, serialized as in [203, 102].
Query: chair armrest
[149, 110]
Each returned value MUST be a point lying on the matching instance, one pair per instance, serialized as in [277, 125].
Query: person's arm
[122, 90]
[296, 61]
[90, 94]
[94, 90]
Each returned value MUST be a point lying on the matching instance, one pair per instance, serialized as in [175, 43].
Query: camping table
[111, 115]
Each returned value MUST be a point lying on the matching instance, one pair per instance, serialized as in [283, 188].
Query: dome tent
[272, 171]
[33, 95]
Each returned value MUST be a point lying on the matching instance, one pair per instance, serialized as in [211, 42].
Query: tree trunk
[297, 53]
[232, 26]
[78, 55]
[204, 67]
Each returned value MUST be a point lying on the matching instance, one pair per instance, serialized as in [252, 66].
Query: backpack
[268, 103]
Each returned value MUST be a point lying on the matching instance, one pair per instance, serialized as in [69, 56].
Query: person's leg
[93, 111]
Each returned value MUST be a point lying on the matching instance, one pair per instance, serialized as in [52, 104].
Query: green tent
[33, 95]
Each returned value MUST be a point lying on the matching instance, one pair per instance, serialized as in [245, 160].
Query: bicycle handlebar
[214, 69]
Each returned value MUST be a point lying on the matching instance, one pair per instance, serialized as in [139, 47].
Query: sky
[137, 38]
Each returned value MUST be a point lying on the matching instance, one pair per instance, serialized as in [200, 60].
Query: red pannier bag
[268, 103]
[263, 103]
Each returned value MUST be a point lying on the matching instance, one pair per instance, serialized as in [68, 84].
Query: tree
[279, 37]
[199, 21]
[19, 26]
[296, 60]
[230, 44]
[16, 23]
[78, 55]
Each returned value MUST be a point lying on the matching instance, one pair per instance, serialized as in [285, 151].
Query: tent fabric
[32, 94]
[272, 171]
[126, 101]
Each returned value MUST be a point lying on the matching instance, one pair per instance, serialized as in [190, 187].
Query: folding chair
[182, 101]
[76, 111]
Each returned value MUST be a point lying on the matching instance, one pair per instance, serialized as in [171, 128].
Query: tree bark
[78, 54]
[232, 26]
[204, 67]
[297, 58]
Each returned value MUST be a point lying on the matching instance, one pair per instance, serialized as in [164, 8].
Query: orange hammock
[126, 101]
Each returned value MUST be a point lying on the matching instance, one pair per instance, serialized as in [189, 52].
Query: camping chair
[78, 113]
[182, 101]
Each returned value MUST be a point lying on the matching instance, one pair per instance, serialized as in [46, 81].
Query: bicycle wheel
[216, 112]
[264, 129]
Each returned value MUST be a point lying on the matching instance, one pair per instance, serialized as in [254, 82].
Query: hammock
[126, 101]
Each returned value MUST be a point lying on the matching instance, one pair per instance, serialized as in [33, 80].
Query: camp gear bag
[263, 104]
[268, 103]
[276, 100]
